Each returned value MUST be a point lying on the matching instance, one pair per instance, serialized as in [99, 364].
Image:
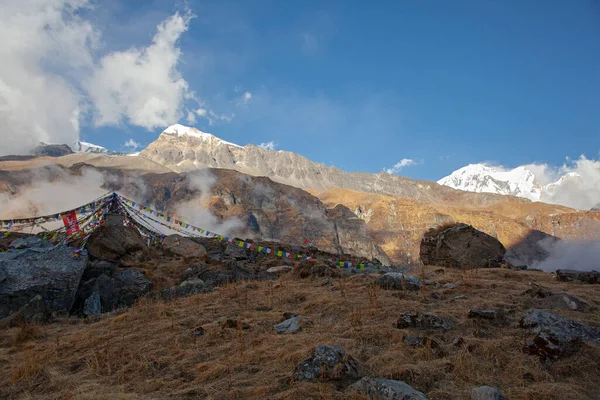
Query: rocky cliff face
[185, 149]
[398, 224]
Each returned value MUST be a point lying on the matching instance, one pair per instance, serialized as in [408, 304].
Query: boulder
[183, 246]
[97, 268]
[424, 321]
[235, 251]
[53, 275]
[486, 393]
[569, 275]
[556, 336]
[393, 281]
[291, 325]
[187, 288]
[461, 246]
[113, 242]
[387, 389]
[329, 363]
[120, 290]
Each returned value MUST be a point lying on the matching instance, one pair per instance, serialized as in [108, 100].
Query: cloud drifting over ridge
[405, 162]
[56, 78]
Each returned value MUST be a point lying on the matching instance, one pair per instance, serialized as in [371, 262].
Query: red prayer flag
[305, 241]
[70, 221]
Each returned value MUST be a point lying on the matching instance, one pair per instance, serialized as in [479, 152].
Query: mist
[582, 255]
[196, 213]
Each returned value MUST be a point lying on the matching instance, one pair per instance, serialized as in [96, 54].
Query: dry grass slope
[154, 350]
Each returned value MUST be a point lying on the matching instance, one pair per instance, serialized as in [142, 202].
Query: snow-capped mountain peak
[484, 178]
[182, 131]
[85, 147]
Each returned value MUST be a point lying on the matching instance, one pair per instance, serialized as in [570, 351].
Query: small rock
[251, 286]
[329, 363]
[393, 281]
[568, 275]
[199, 331]
[327, 282]
[424, 321]
[457, 341]
[459, 297]
[452, 285]
[436, 296]
[233, 324]
[279, 270]
[431, 283]
[387, 389]
[186, 288]
[486, 393]
[486, 314]
[420, 342]
[537, 291]
[291, 325]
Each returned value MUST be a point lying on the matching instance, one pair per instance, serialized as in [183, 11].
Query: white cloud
[191, 118]
[37, 103]
[132, 145]
[201, 112]
[53, 75]
[246, 97]
[405, 162]
[268, 145]
[581, 190]
[143, 86]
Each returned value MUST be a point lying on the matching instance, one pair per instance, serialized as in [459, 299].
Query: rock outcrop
[568, 275]
[461, 246]
[556, 336]
[53, 275]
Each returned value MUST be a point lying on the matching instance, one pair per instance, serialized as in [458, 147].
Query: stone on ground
[183, 246]
[393, 281]
[486, 393]
[387, 389]
[424, 321]
[329, 363]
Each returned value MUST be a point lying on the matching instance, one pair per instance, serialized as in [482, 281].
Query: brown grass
[151, 352]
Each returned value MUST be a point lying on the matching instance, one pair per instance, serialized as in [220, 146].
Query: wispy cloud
[132, 145]
[405, 162]
[268, 145]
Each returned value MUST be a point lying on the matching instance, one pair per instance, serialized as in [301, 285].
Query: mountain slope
[183, 149]
[520, 182]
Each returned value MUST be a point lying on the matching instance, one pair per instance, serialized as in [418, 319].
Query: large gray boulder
[53, 275]
[329, 363]
[116, 243]
[387, 389]
[107, 293]
[394, 280]
[461, 246]
[556, 336]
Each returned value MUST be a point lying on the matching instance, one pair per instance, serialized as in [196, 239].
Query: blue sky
[363, 85]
